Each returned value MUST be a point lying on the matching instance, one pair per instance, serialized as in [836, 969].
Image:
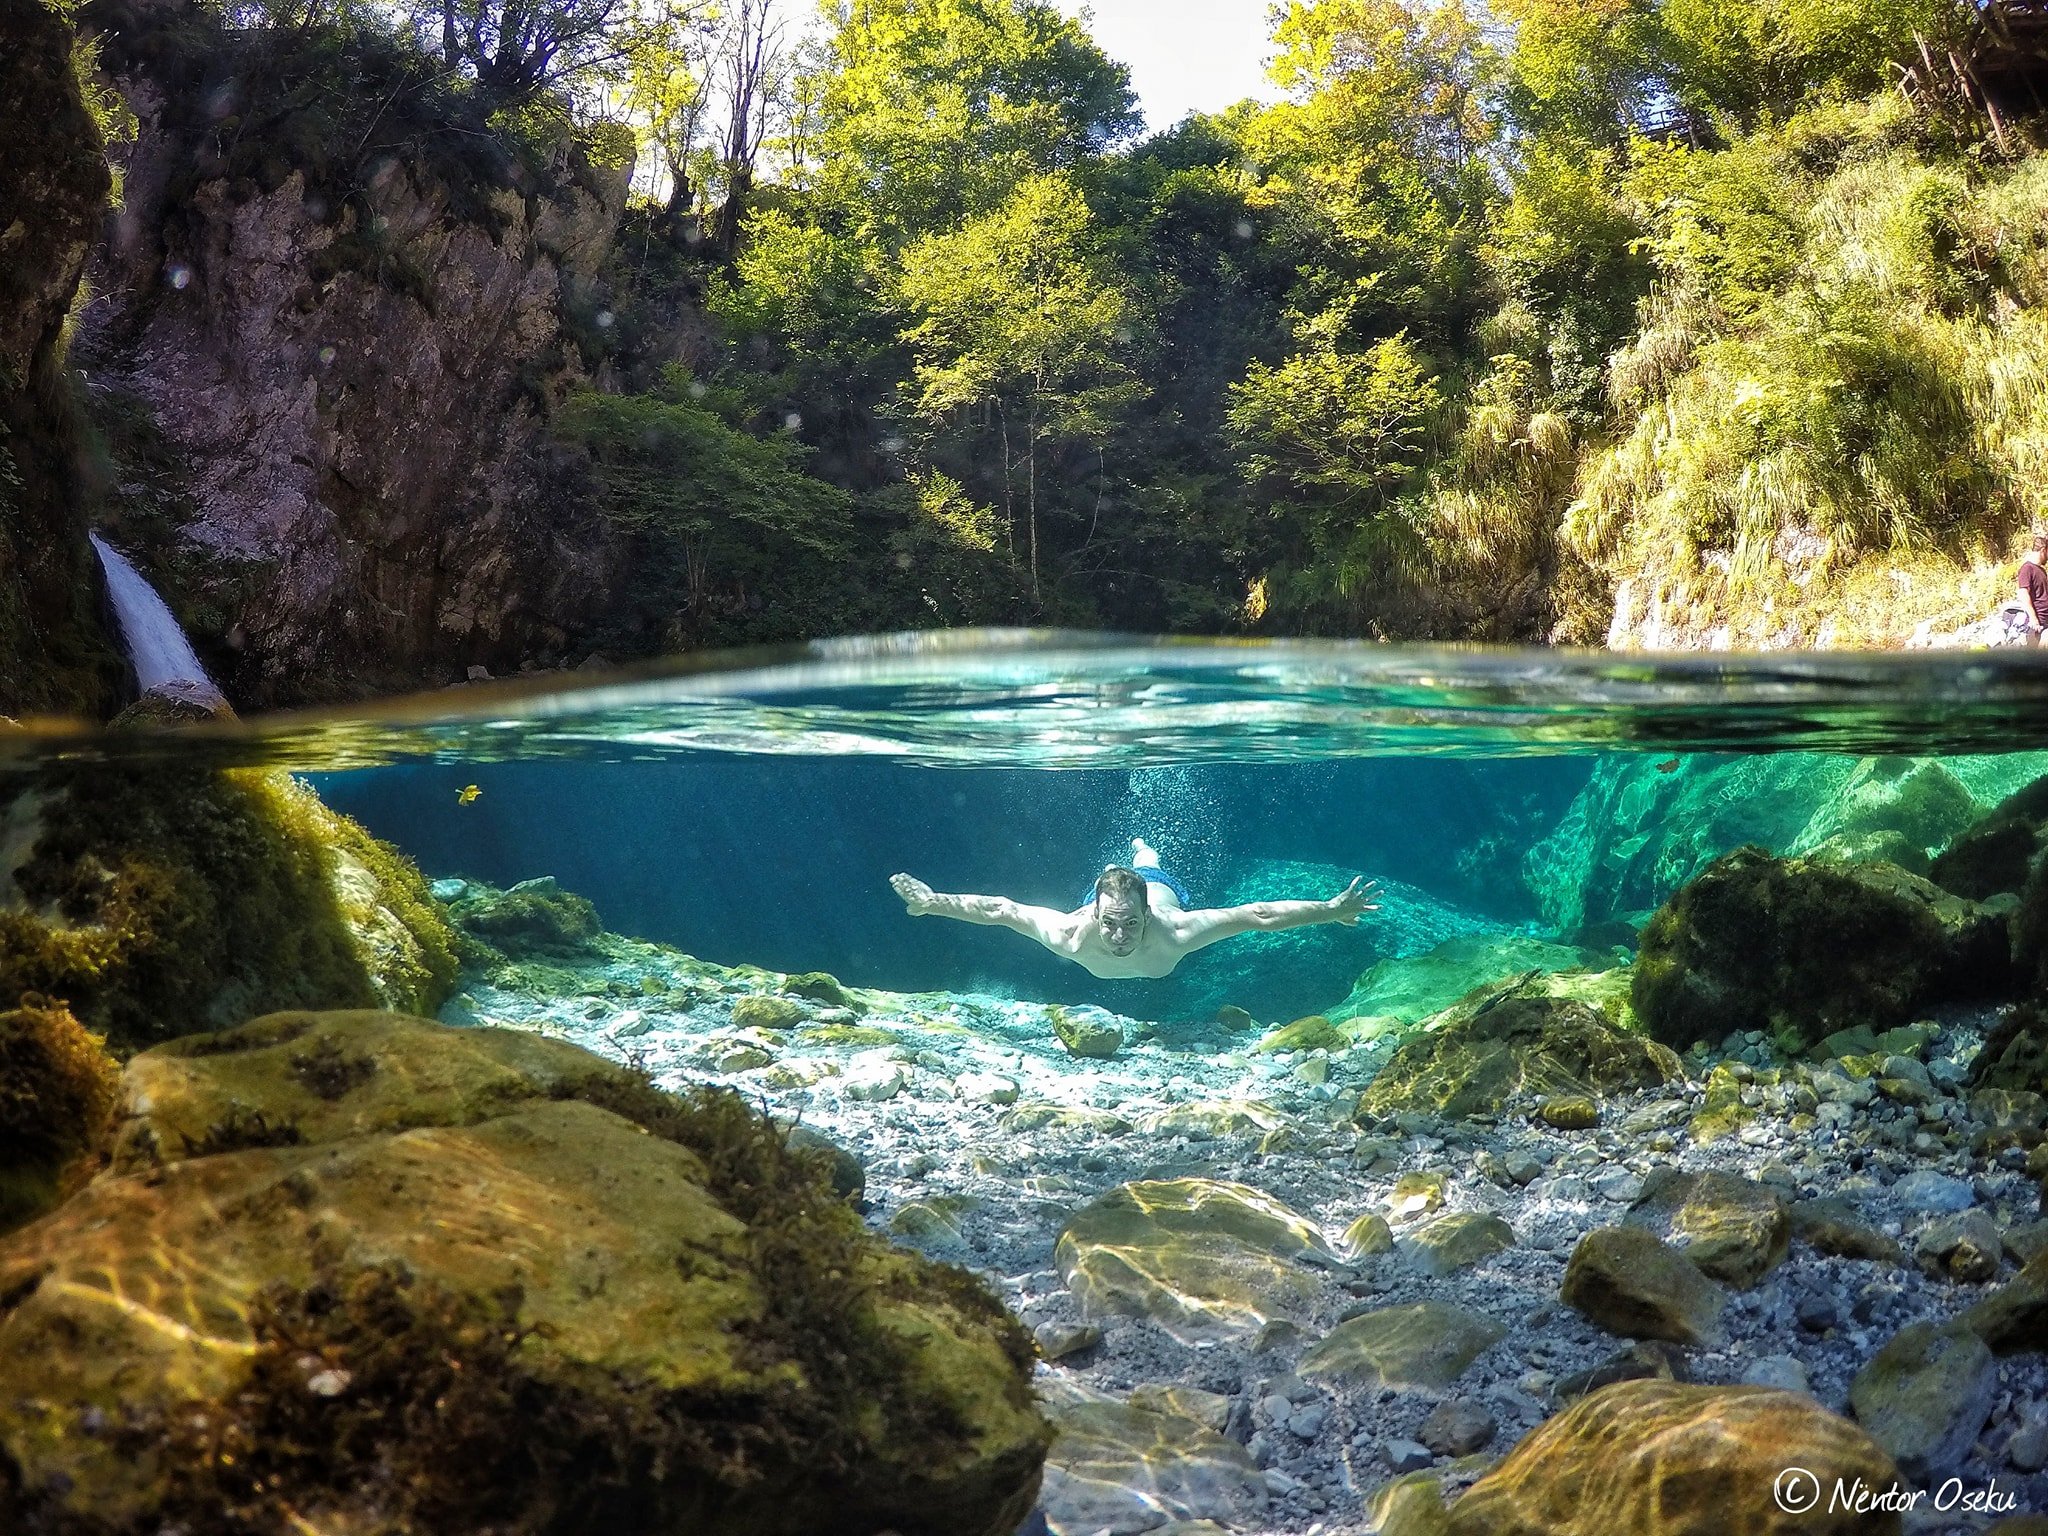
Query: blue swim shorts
[1153, 875]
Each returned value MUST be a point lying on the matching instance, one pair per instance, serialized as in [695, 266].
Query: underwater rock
[1118, 1466]
[1521, 1045]
[1427, 1345]
[1064, 1117]
[1965, 1246]
[1087, 1032]
[1644, 1360]
[2015, 1053]
[760, 1011]
[1999, 851]
[1204, 1260]
[1409, 1505]
[1802, 948]
[1832, 1227]
[58, 1093]
[848, 1178]
[617, 1301]
[1314, 1033]
[1629, 1282]
[1655, 1458]
[1416, 987]
[1455, 1242]
[1416, 1194]
[162, 900]
[1898, 810]
[1735, 1229]
[1925, 1396]
[1721, 1112]
[1569, 1112]
[2015, 1316]
[1205, 1122]
[823, 987]
[535, 918]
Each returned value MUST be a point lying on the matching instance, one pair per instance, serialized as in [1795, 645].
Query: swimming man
[1137, 924]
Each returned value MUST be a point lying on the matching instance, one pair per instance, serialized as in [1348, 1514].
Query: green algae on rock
[1803, 947]
[58, 1093]
[1313, 1033]
[1087, 1032]
[157, 901]
[602, 1302]
[1414, 988]
[1735, 1229]
[1202, 1259]
[1655, 1458]
[1520, 1046]
[533, 919]
[1630, 1283]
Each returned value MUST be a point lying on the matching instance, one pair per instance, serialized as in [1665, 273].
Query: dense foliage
[1496, 317]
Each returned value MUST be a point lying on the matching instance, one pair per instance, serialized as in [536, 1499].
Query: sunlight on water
[1062, 700]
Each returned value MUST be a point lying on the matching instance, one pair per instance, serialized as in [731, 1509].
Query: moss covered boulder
[58, 1092]
[1998, 851]
[1520, 1047]
[1657, 1458]
[534, 919]
[1204, 1260]
[158, 901]
[600, 1308]
[1804, 947]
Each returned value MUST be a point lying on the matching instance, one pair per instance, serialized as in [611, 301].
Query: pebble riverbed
[931, 1111]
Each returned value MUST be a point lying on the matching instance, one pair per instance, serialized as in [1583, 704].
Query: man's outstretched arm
[1040, 923]
[1208, 925]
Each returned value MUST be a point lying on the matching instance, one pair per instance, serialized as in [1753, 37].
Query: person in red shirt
[2033, 588]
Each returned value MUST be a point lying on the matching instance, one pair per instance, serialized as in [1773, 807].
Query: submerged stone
[1735, 1229]
[763, 1011]
[2015, 1316]
[1314, 1033]
[1655, 1458]
[541, 1308]
[1520, 1045]
[1452, 1243]
[1630, 1283]
[1925, 1396]
[1416, 987]
[1426, 1345]
[1203, 1260]
[1120, 1466]
[1087, 1032]
[1803, 948]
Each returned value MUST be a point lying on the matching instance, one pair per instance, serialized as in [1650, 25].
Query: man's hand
[917, 896]
[1357, 898]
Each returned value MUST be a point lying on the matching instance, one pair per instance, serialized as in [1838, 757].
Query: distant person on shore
[2033, 587]
[1137, 924]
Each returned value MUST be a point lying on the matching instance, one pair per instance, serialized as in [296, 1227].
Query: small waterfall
[157, 648]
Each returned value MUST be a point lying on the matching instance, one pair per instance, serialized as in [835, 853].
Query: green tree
[1017, 323]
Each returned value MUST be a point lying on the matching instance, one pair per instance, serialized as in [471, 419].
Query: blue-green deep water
[1524, 814]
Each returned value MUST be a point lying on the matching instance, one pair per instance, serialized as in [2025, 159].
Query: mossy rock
[1314, 1033]
[1896, 809]
[856, 1036]
[823, 987]
[1800, 948]
[315, 1077]
[1735, 1229]
[1630, 1283]
[161, 900]
[1086, 1032]
[606, 1307]
[1416, 987]
[533, 918]
[2015, 1053]
[1721, 1112]
[1521, 1045]
[58, 1093]
[1204, 1260]
[1660, 1458]
[760, 1011]
[1999, 851]
[1428, 1345]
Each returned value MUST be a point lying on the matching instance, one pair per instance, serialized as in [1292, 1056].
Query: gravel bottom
[934, 1143]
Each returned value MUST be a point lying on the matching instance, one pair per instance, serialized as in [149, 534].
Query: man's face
[1122, 925]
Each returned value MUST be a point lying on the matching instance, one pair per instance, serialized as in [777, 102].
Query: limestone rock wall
[353, 369]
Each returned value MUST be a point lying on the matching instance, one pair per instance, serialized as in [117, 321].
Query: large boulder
[1521, 1046]
[1997, 852]
[58, 1093]
[1657, 1458]
[158, 900]
[600, 1307]
[1803, 947]
[1204, 1260]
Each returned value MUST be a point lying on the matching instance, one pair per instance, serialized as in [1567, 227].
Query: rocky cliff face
[349, 362]
[53, 184]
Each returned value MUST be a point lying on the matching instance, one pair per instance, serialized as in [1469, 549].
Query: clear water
[750, 808]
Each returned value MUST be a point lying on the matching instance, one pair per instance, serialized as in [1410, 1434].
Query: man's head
[2038, 545]
[1120, 909]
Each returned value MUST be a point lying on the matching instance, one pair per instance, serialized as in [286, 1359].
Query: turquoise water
[751, 808]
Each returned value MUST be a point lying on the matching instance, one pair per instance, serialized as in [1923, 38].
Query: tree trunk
[1031, 492]
[1009, 505]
